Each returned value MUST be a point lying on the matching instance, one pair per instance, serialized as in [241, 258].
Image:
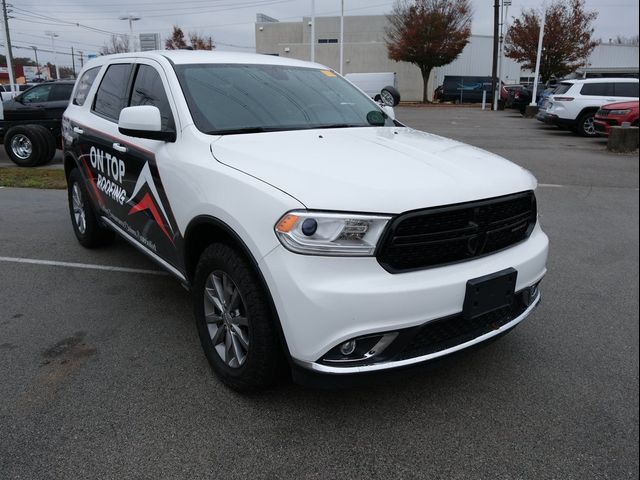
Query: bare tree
[176, 40]
[567, 41]
[117, 44]
[428, 33]
[200, 43]
[196, 42]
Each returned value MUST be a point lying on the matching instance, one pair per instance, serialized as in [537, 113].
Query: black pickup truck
[30, 123]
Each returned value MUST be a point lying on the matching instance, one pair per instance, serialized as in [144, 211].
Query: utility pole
[80, 55]
[494, 68]
[12, 79]
[73, 63]
[35, 52]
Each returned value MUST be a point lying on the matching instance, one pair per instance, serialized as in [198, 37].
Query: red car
[614, 114]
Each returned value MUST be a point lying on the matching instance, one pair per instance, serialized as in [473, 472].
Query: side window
[626, 89]
[84, 85]
[36, 94]
[597, 89]
[111, 96]
[148, 90]
[61, 92]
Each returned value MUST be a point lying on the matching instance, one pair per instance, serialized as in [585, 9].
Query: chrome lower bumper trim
[320, 368]
[167, 266]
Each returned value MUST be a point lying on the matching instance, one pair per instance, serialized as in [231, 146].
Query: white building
[365, 50]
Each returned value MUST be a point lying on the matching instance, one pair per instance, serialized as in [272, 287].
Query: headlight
[336, 234]
[619, 112]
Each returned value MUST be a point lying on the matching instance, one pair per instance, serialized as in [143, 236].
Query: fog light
[309, 226]
[347, 348]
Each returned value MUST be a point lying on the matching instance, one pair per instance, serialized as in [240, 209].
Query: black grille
[451, 331]
[442, 235]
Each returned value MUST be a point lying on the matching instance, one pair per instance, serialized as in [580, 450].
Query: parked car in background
[614, 115]
[30, 123]
[374, 84]
[513, 92]
[575, 102]
[463, 89]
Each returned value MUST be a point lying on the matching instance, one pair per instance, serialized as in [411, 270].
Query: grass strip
[33, 178]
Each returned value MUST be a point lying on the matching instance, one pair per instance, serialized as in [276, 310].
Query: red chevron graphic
[147, 204]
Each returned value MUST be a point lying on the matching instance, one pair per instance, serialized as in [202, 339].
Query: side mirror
[144, 121]
[389, 96]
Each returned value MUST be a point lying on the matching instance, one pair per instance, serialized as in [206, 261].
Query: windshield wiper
[235, 131]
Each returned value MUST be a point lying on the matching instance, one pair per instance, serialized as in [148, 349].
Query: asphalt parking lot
[102, 374]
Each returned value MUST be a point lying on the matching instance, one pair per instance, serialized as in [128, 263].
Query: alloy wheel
[589, 126]
[226, 317]
[78, 208]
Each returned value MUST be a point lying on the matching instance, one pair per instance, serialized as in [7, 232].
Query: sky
[229, 22]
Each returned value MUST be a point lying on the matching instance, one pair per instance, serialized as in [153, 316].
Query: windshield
[235, 98]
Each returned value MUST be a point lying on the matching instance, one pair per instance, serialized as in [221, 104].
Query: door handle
[77, 130]
[119, 148]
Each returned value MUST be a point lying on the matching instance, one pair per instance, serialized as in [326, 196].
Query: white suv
[314, 231]
[575, 102]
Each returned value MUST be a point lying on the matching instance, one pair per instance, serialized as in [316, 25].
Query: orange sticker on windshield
[328, 73]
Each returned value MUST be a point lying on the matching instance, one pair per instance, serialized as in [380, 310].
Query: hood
[371, 169]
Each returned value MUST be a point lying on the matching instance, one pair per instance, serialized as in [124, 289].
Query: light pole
[341, 35]
[505, 11]
[132, 17]
[540, 40]
[35, 51]
[313, 30]
[53, 36]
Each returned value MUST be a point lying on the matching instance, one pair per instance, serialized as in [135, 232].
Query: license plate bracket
[489, 293]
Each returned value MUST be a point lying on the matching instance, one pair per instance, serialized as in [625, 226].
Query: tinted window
[148, 90]
[84, 85]
[597, 89]
[560, 89]
[61, 92]
[626, 89]
[36, 94]
[111, 96]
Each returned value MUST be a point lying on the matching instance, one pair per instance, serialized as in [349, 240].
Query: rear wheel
[25, 146]
[585, 126]
[234, 320]
[85, 224]
[49, 142]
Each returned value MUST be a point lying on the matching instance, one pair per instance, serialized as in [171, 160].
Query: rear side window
[597, 89]
[562, 88]
[111, 96]
[60, 92]
[148, 90]
[84, 85]
[626, 89]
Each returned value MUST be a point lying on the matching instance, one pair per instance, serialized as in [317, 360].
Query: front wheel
[236, 328]
[85, 224]
[585, 125]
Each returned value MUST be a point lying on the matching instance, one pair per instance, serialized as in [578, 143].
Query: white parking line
[551, 185]
[86, 266]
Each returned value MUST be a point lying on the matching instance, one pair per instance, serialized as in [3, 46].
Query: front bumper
[324, 301]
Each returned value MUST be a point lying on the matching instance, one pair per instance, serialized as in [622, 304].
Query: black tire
[585, 127]
[263, 362]
[89, 232]
[25, 146]
[50, 142]
[390, 93]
